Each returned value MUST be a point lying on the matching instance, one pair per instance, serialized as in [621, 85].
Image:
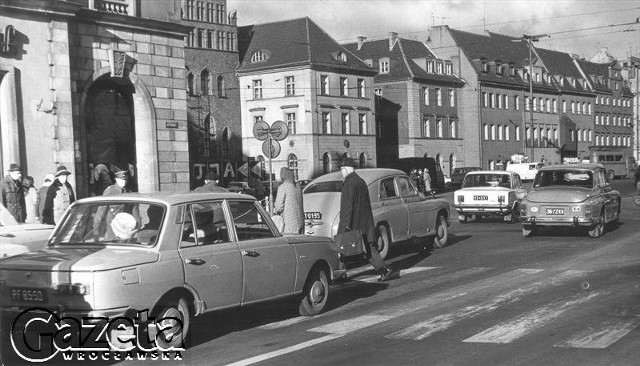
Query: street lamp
[529, 39]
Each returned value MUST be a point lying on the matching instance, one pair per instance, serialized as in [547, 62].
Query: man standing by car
[356, 214]
[119, 187]
[211, 184]
[13, 194]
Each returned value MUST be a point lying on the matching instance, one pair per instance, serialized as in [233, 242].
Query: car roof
[368, 174]
[585, 166]
[504, 172]
[169, 198]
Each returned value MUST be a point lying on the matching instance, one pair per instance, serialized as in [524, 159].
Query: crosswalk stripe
[369, 279]
[602, 335]
[520, 326]
[285, 323]
[442, 322]
[350, 325]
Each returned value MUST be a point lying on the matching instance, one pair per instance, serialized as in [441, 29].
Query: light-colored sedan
[400, 212]
[20, 238]
[178, 255]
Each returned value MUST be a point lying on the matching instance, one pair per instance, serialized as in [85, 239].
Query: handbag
[279, 221]
[350, 245]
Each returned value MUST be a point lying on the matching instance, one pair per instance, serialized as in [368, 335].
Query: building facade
[293, 71]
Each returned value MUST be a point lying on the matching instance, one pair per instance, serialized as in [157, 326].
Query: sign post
[278, 131]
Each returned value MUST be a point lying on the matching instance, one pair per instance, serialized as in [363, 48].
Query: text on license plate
[313, 215]
[555, 211]
[28, 295]
[480, 198]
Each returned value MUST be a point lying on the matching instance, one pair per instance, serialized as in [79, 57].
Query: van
[527, 171]
[435, 171]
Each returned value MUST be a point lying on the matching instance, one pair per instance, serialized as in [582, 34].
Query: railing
[113, 6]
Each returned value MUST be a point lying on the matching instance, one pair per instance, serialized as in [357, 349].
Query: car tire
[528, 231]
[315, 293]
[515, 215]
[382, 241]
[597, 230]
[442, 232]
[611, 175]
[632, 174]
[176, 309]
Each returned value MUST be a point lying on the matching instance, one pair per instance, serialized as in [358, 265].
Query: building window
[222, 91]
[190, 83]
[361, 88]
[485, 132]
[199, 37]
[205, 82]
[426, 126]
[448, 69]
[289, 86]
[517, 133]
[535, 104]
[362, 123]
[430, 67]
[453, 128]
[527, 103]
[291, 122]
[555, 106]
[493, 132]
[438, 97]
[344, 86]
[589, 110]
[326, 122]
[506, 101]
[425, 96]
[384, 66]
[485, 99]
[452, 98]
[500, 133]
[257, 89]
[346, 126]
[516, 102]
[225, 143]
[324, 84]
[439, 129]
[564, 106]
[506, 133]
[257, 119]
[378, 92]
[499, 101]
[492, 100]
[439, 68]
[292, 163]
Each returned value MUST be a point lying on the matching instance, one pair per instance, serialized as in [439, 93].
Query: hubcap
[317, 292]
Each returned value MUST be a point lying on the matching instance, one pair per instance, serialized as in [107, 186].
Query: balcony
[123, 7]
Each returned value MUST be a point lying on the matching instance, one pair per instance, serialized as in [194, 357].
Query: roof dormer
[259, 56]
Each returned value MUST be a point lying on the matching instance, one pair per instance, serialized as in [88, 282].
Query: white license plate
[28, 295]
[313, 215]
[480, 198]
[555, 211]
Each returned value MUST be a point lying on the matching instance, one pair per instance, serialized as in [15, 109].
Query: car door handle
[250, 253]
[195, 261]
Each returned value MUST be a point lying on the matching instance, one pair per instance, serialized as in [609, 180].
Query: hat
[49, 178]
[211, 176]
[347, 161]
[62, 170]
[124, 225]
[122, 174]
[15, 168]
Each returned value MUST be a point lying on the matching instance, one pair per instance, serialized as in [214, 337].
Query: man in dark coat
[102, 222]
[13, 194]
[120, 186]
[356, 214]
[211, 184]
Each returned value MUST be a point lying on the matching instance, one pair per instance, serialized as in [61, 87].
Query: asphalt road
[491, 297]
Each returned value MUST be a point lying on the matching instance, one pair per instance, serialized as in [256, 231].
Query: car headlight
[534, 209]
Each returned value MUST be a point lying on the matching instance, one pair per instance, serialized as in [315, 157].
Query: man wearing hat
[59, 197]
[13, 194]
[211, 184]
[356, 214]
[119, 187]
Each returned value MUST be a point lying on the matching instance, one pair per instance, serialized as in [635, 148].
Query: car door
[212, 261]
[390, 208]
[269, 261]
[415, 206]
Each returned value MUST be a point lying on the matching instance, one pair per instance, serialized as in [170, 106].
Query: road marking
[442, 322]
[601, 336]
[285, 323]
[401, 272]
[283, 351]
[350, 325]
[511, 330]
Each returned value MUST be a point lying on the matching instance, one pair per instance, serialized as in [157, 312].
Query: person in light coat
[30, 199]
[288, 203]
[59, 197]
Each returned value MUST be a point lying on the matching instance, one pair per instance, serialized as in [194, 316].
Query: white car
[488, 193]
[527, 171]
[20, 238]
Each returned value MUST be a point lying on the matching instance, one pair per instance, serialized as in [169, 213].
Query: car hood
[559, 194]
[78, 259]
[16, 239]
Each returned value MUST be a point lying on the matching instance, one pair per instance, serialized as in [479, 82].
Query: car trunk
[321, 212]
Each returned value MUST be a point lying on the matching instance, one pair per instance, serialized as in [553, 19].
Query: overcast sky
[577, 26]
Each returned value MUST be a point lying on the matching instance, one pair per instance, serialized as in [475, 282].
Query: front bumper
[559, 221]
[484, 209]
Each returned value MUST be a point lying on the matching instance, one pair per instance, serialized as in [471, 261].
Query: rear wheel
[382, 241]
[173, 319]
[597, 230]
[316, 293]
[442, 232]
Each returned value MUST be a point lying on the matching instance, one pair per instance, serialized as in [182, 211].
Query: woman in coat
[59, 197]
[288, 203]
[30, 199]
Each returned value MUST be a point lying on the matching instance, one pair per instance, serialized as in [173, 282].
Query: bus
[617, 160]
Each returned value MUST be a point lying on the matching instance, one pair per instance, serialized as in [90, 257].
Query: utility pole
[529, 39]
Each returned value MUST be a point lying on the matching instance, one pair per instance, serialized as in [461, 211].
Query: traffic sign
[244, 169]
[274, 149]
[261, 130]
[279, 130]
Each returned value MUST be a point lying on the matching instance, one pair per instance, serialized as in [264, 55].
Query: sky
[581, 27]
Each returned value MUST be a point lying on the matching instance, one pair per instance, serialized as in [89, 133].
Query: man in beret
[13, 193]
[211, 184]
[356, 214]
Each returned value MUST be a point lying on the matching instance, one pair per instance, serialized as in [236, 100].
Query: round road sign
[272, 152]
[279, 130]
[261, 130]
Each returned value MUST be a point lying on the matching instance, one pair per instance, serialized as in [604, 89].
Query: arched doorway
[110, 130]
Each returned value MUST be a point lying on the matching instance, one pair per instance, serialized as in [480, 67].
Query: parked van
[527, 171]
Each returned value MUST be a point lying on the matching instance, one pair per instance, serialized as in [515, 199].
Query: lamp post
[529, 39]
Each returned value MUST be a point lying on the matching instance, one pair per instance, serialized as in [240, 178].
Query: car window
[387, 189]
[249, 221]
[405, 187]
[564, 177]
[206, 224]
[324, 187]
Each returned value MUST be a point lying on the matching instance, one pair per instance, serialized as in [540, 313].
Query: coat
[13, 198]
[57, 202]
[42, 197]
[355, 208]
[211, 187]
[31, 200]
[288, 203]
[114, 189]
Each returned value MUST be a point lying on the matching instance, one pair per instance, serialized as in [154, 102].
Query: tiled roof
[592, 69]
[492, 47]
[291, 43]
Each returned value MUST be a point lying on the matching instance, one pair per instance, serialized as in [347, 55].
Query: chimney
[393, 37]
[361, 40]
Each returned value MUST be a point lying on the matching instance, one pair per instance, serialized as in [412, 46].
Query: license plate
[480, 198]
[28, 295]
[555, 211]
[313, 215]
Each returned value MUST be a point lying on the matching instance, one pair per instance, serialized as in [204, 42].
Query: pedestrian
[59, 197]
[13, 194]
[120, 186]
[356, 214]
[420, 181]
[101, 178]
[211, 184]
[105, 214]
[288, 203]
[30, 199]
[636, 182]
[427, 182]
[42, 196]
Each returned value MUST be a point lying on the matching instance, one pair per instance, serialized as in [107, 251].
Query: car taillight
[501, 199]
[523, 209]
[72, 289]
[587, 209]
[460, 198]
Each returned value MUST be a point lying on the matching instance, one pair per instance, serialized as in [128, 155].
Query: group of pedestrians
[422, 180]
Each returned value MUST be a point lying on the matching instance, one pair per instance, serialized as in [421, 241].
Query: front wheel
[172, 324]
[382, 241]
[442, 232]
[316, 293]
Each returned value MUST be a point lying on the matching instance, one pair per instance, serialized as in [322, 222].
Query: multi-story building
[84, 83]
[293, 71]
[417, 104]
[631, 74]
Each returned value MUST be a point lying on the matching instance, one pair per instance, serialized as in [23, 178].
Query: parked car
[577, 195]
[527, 171]
[399, 211]
[180, 255]
[20, 238]
[488, 193]
[457, 176]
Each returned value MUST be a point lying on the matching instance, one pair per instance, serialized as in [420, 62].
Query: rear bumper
[484, 209]
[559, 221]
[18, 313]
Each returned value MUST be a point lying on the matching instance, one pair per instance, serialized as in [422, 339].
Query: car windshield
[324, 187]
[112, 222]
[564, 177]
[486, 180]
